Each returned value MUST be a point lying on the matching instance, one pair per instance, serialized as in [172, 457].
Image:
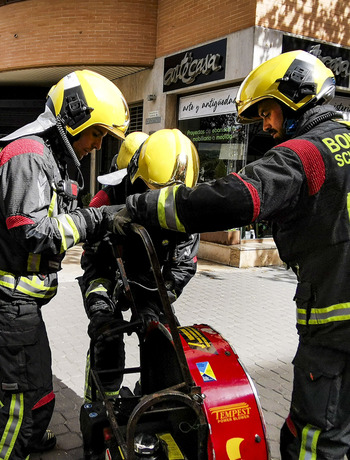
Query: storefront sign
[200, 65]
[342, 104]
[208, 104]
[334, 57]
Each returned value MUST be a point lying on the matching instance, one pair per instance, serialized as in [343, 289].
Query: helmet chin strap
[62, 131]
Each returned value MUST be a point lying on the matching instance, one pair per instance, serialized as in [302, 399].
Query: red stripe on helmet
[254, 194]
[19, 147]
[18, 221]
[312, 161]
[45, 400]
[100, 199]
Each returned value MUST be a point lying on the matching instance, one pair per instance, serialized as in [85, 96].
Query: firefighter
[39, 221]
[166, 157]
[302, 187]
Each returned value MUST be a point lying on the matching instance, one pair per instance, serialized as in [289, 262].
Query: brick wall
[321, 19]
[37, 33]
[185, 23]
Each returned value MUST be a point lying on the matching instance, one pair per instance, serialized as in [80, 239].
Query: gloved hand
[109, 213]
[98, 221]
[97, 321]
[172, 296]
[147, 315]
[170, 287]
[121, 221]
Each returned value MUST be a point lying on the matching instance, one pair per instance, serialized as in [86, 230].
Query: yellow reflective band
[12, 427]
[334, 313]
[309, 438]
[33, 264]
[87, 386]
[348, 204]
[161, 207]
[301, 315]
[68, 230]
[76, 234]
[35, 287]
[344, 122]
[179, 225]
[98, 285]
[52, 204]
[339, 312]
[166, 209]
[7, 279]
[31, 285]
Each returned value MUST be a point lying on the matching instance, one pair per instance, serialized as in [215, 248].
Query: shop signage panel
[334, 57]
[193, 67]
[342, 104]
[208, 104]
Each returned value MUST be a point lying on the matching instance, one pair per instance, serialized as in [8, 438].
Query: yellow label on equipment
[174, 453]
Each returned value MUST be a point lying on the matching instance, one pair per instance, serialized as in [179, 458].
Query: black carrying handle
[163, 294]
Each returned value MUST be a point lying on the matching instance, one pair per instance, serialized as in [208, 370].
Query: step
[249, 253]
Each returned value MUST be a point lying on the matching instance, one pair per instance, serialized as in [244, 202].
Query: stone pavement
[252, 308]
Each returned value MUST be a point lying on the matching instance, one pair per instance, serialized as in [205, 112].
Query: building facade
[179, 64]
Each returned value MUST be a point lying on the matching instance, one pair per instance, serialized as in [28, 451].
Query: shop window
[226, 146]
[221, 143]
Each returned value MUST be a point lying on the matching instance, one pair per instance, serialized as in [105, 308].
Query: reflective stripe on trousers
[12, 427]
[309, 440]
[87, 384]
[338, 312]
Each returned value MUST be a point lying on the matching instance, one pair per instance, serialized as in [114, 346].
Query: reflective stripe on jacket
[32, 285]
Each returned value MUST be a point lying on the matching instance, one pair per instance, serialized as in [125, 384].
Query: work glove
[97, 321]
[172, 296]
[98, 221]
[121, 221]
[146, 315]
[108, 214]
[170, 287]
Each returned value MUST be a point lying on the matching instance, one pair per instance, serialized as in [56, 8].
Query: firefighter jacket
[302, 186]
[177, 255]
[38, 222]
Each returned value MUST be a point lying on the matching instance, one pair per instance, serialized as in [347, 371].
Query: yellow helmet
[128, 148]
[84, 98]
[166, 157]
[296, 78]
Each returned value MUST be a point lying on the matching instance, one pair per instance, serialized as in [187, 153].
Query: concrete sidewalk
[252, 309]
